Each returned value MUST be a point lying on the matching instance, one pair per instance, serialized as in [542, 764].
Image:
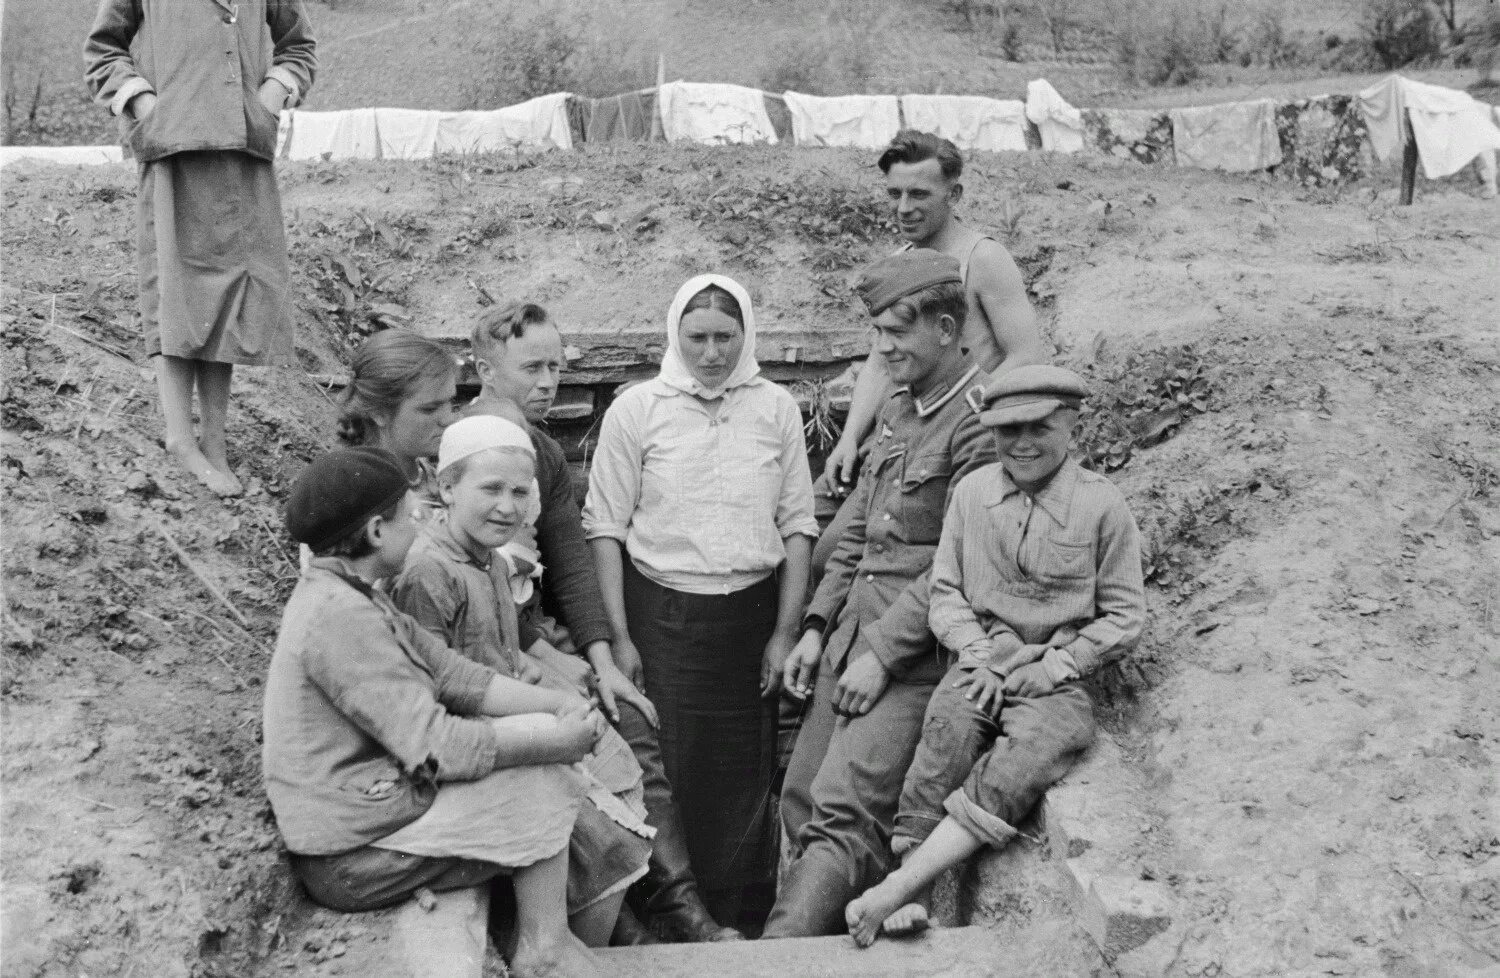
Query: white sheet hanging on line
[1451, 127]
[347, 134]
[541, 123]
[62, 155]
[406, 134]
[1060, 124]
[973, 122]
[863, 121]
[714, 114]
[1383, 108]
[1237, 137]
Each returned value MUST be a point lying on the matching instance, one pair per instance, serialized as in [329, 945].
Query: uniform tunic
[839, 799]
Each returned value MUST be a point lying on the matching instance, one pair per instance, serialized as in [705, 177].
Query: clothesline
[1320, 138]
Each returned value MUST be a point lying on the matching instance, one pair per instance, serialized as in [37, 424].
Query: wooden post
[661, 79]
[1408, 161]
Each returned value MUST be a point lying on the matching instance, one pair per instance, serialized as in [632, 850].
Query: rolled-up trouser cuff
[979, 823]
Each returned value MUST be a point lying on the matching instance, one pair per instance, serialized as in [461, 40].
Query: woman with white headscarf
[701, 479]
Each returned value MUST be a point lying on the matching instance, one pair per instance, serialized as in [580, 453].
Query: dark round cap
[340, 491]
[905, 273]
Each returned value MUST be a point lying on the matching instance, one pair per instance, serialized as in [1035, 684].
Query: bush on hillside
[1399, 32]
[1156, 44]
[840, 57]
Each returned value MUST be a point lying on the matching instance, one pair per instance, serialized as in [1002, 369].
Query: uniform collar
[1055, 498]
[949, 385]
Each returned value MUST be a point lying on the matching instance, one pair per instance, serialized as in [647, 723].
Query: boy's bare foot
[566, 959]
[908, 919]
[190, 457]
[878, 908]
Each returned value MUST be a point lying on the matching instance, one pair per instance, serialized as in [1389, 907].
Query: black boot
[668, 894]
[811, 902]
[677, 911]
[629, 931]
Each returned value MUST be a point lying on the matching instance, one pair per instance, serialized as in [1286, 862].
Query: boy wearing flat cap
[865, 635]
[1036, 584]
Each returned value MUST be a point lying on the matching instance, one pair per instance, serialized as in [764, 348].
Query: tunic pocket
[1070, 559]
[924, 496]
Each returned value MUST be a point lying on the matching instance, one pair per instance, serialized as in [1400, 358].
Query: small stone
[1365, 606]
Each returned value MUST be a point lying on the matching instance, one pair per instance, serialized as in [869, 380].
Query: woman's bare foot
[878, 909]
[190, 457]
[568, 958]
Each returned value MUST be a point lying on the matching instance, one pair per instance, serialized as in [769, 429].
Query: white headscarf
[482, 432]
[674, 370]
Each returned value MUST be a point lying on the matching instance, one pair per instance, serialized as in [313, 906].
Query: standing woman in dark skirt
[199, 101]
[701, 480]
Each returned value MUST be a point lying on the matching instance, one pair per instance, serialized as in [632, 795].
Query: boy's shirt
[364, 711]
[464, 604]
[1061, 572]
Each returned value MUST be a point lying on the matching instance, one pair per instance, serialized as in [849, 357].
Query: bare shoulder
[992, 261]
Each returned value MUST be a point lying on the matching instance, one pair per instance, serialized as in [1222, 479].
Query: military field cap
[339, 492]
[905, 273]
[1030, 394]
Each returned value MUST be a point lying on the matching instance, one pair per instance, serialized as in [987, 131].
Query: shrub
[837, 57]
[1399, 32]
[1156, 44]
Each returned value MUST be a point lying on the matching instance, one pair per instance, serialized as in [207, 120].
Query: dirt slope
[1314, 706]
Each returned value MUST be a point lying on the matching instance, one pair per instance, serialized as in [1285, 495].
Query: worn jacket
[570, 588]
[1057, 574]
[874, 594]
[462, 602]
[205, 60]
[365, 711]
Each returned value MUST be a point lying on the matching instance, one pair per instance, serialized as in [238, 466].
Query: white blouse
[701, 501]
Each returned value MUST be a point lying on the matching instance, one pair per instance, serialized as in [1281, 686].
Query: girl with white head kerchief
[472, 435]
[700, 478]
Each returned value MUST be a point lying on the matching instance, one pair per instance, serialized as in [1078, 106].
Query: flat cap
[1030, 394]
[905, 273]
[339, 492]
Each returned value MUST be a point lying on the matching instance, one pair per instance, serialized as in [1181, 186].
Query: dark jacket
[874, 594]
[206, 61]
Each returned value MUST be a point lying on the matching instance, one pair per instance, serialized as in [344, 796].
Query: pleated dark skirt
[702, 657]
[215, 281]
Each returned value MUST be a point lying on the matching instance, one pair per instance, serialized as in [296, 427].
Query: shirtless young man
[923, 175]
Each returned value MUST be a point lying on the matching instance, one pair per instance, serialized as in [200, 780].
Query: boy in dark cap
[1035, 585]
[393, 763]
[865, 635]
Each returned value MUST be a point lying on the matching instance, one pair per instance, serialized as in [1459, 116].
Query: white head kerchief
[480, 434]
[674, 370]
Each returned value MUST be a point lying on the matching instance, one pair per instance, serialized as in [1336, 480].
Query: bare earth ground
[1314, 708]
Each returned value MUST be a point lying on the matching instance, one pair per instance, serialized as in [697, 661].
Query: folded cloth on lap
[515, 816]
[714, 114]
[863, 121]
[973, 122]
[1237, 137]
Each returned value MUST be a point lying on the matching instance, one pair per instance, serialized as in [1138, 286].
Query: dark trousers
[370, 878]
[986, 773]
[717, 741]
[838, 803]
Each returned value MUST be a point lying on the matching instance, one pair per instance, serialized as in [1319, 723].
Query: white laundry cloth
[347, 134]
[541, 123]
[1383, 107]
[714, 114]
[1451, 127]
[863, 121]
[407, 134]
[65, 155]
[1237, 137]
[1060, 124]
[973, 122]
